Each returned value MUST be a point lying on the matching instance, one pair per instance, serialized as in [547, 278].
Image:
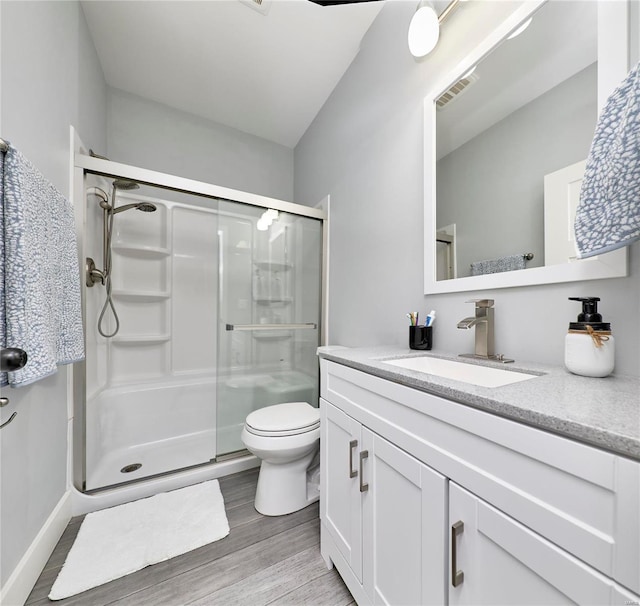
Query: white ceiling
[267, 75]
[560, 42]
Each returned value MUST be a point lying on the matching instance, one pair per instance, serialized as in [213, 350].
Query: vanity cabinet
[385, 512]
[543, 519]
[502, 563]
[341, 511]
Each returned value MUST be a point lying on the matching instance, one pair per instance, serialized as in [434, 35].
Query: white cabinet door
[404, 522]
[341, 502]
[496, 561]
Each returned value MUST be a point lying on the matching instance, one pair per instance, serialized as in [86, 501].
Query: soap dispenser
[589, 344]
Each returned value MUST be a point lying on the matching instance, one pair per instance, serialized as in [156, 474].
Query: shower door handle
[271, 326]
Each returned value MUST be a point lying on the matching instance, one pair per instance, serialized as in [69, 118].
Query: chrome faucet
[483, 321]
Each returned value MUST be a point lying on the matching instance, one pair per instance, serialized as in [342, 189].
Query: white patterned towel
[39, 259]
[608, 215]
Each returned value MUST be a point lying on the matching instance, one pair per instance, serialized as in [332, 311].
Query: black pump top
[589, 315]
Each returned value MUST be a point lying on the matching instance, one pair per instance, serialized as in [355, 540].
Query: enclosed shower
[198, 310]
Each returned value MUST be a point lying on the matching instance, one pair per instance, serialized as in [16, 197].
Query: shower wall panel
[194, 291]
[155, 408]
[96, 364]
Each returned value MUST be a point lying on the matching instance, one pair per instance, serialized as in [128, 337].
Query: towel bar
[4, 146]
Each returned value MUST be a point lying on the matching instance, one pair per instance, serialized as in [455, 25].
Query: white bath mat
[118, 541]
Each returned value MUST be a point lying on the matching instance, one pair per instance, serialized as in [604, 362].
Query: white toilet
[286, 437]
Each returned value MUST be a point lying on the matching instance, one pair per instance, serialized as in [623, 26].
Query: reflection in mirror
[512, 135]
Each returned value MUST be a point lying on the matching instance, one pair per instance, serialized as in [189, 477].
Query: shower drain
[130, 468]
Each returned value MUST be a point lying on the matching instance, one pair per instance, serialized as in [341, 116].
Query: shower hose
[108, 218]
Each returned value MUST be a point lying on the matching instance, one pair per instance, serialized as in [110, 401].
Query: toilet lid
[284, 419]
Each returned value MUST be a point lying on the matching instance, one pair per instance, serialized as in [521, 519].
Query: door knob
[12, 359]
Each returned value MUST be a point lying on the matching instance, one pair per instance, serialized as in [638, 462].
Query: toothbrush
[413, 318]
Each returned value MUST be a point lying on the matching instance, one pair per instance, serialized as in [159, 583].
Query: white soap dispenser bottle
[589, 344]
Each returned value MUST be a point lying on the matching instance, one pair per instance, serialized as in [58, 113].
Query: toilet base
[283, 489]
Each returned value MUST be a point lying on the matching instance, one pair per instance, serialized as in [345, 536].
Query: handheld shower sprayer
[145, 207]
[94, 275]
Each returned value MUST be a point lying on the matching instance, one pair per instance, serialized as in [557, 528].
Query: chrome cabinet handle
[364, 454]
[457, 576]
[352, 472]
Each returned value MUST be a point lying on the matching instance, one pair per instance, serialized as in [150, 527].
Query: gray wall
[51, 79]
[151, 135]
[365, 150]
[492, 187]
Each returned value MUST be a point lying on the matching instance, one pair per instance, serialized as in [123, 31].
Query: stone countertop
[600, 412]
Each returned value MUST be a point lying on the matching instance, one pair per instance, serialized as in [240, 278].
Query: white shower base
[82, 503]
[155, 458]
[178, 422]
[164, 426]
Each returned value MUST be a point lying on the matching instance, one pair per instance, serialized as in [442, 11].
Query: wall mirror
[507, 134]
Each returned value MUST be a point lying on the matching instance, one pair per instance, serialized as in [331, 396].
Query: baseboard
[19, 585]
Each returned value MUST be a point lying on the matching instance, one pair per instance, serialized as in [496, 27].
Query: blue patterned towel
[608, 215]
[41, 294]
[494, 266]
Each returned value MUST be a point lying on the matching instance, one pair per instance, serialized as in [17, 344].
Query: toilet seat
[288, 419]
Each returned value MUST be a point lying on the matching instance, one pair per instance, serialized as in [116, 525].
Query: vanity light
[520, 29]
[267, 218]
[424, 29]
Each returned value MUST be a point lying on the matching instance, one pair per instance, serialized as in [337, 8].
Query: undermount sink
[483, 376]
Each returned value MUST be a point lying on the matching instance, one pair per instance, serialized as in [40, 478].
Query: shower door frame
[84, 164]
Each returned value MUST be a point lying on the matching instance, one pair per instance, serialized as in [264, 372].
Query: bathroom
[364, 149]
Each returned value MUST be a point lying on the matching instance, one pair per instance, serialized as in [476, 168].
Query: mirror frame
[613, 66]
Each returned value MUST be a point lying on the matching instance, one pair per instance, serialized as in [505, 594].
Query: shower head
[125, 184]
[145, 207]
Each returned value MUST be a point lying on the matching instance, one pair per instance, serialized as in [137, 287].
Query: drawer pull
[364, 454]
[457, 576]
[352, 472]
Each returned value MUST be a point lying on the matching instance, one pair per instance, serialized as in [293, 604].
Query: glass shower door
[151, 386]
[270, 307]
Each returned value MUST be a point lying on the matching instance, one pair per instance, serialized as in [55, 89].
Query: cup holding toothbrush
[420, 337]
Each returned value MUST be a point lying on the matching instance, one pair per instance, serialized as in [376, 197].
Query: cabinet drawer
[581, 498]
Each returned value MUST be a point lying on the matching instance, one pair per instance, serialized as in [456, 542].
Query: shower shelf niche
[134, 339]
[269, 300]
[143, 251]
[272, 336]
[273, 266]
[142, 295]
